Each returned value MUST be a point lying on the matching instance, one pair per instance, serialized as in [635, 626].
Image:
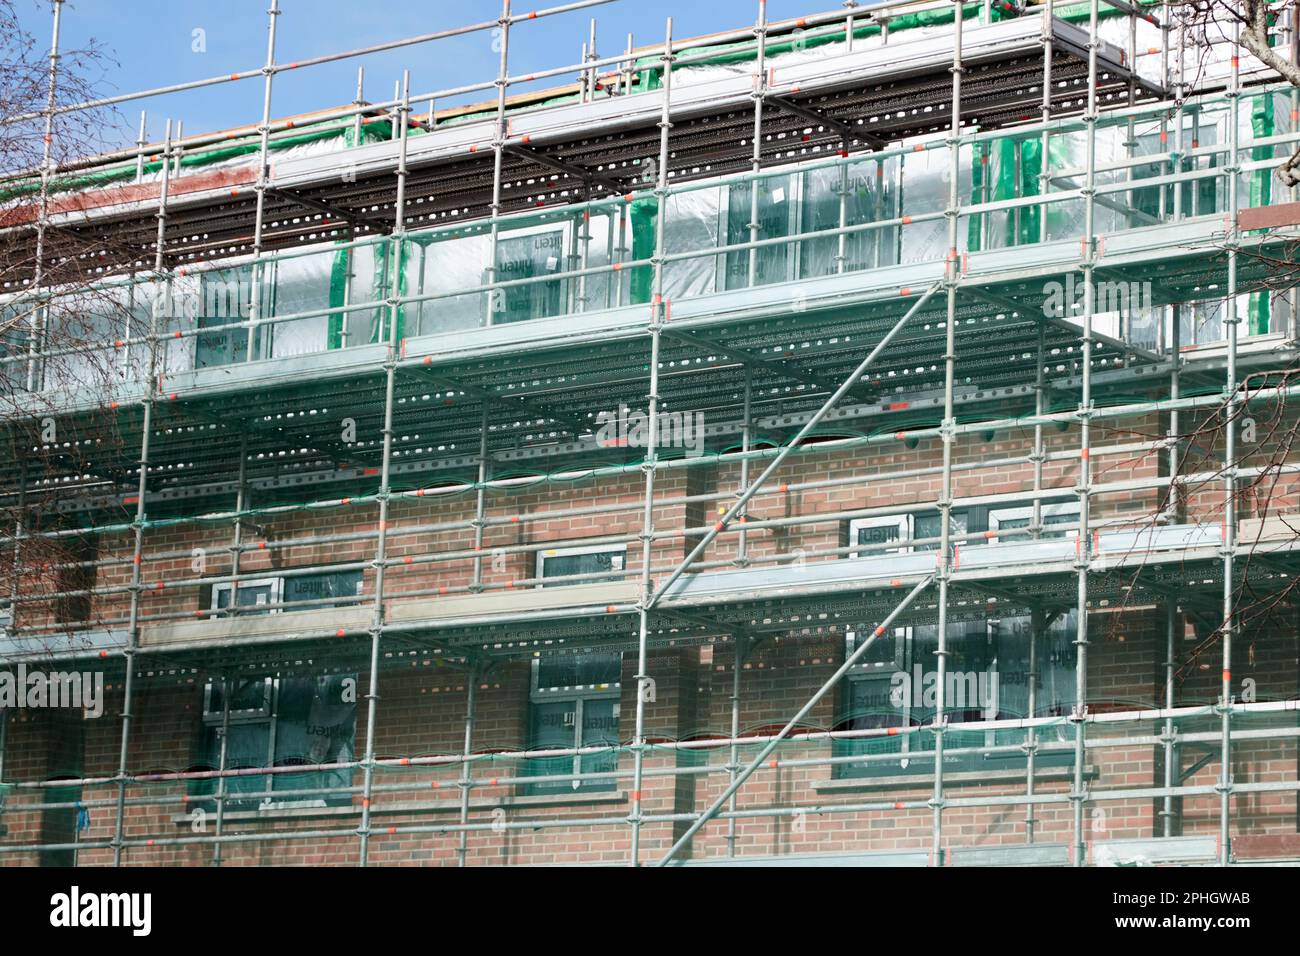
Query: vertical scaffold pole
[1036, 625]
[480, 500]
[1031, 742]
[128, 333]
[4, 740]
[948, 436]
[471, 702]
[141, 513]
[1170, 752]
[1180, 96]
[657, 319]
[358, 103]
[36, 323]
[741, 644]
[223, 756]
[1039, 407]
[760, 91]
[1171, 609]
[495, 296]
[629, 68]
[746, 436]
[15, 576]
[397, 241]
[263, 181]
[1084, 545]
[1232, 394]
[236, 553]
[139, 146]
[1045, 138]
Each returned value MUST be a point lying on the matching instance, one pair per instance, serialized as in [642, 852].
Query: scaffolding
[774, 344]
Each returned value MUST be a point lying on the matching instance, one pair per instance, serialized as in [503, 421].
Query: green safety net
[341, 266]
[1261, 192]
[644, 211]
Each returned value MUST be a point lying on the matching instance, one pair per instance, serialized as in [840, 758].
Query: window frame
[904, 657]
[269, 715]
[902, 522]
[565, 227]
[1064, 506]
[213, 717]
[276, 585]
[540, 564]
[580, 695]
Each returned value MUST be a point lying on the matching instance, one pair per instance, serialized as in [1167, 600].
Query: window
[1060, 520]
[252, 594]
[775, 219]
[987, 679]
[603, 562]
[879, 531]
[530, 256]
[867, 193]
[895, 683]
[280, 722]
[1062, 517]
[14, 321]
[327, 589]
[574, 702]
[218, 298]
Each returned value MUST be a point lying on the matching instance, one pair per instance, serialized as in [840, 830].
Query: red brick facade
[422, 704]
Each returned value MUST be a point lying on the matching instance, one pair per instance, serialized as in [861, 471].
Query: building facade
[778, 462]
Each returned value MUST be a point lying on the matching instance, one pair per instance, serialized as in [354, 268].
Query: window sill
[540, 802]
[925, 781]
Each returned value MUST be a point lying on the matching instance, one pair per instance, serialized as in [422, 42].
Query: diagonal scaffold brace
[738, 508]
[845, 387]
[884, 627]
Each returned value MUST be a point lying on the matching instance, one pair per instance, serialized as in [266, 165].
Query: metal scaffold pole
[1078, 795]
[359, 102]
[658, 317]
[16, 576]
[496, 297]
[480, 499]
[746, 434]
[1037, 625]
[1169, 735]
[261, 186]
[163, 295]
[756, 163]
[775, 741]
[40, 312]
[1232, 393]
[1169, 742]
[1045, 137]
[741, 644]
[236, 552]
[472, 676]
[951, 278]
[223, 756]
[397, 241]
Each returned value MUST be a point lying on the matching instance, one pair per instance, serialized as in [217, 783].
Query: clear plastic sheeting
[564, 261]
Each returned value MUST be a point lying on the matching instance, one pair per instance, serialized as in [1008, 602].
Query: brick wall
[422, 704]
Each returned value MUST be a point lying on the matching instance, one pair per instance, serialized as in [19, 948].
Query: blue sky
[153, 43]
